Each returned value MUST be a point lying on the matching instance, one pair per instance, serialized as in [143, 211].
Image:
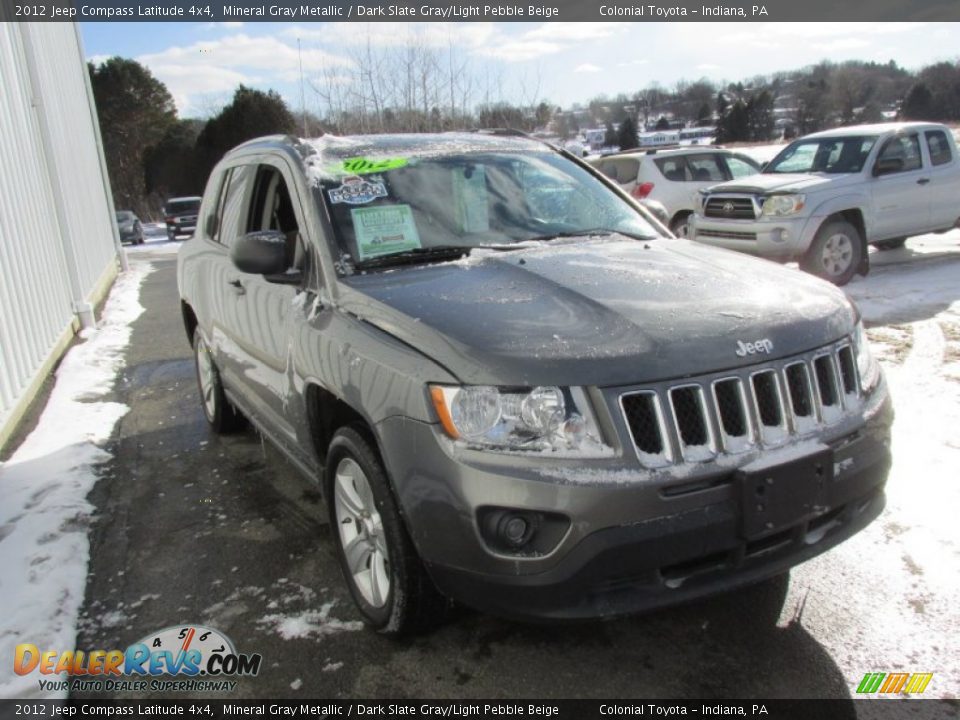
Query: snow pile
[44, 513]
[315, 623]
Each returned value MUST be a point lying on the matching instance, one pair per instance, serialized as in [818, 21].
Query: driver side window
[272, 209]
[905, 148]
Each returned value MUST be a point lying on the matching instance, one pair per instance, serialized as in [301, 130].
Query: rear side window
[939, 147]
[621, 170]
[233, 205]
[705, 168]
[674, 168]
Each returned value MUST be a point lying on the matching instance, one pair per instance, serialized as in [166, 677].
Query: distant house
[58, 243]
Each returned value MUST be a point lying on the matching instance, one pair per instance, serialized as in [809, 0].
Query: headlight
[780, 205]
[540, 419]
[867, 366]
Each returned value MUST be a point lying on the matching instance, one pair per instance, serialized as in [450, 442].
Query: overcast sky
[202, 63]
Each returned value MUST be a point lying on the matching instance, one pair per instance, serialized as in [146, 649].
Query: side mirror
[261, 253]
[885, 166]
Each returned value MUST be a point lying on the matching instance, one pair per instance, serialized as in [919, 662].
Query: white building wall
[57, 244]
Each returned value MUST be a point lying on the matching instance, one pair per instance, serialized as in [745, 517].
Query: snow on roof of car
[420, 144]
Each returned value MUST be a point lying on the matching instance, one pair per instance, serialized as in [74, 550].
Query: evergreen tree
[627, 135]
[610, 136]
[135, 111]
[250, 114]
[918, 105]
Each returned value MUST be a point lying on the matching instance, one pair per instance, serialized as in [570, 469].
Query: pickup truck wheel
[835, 252]
[681, 226]
[220, 412]
[386, 578]
[893, 244]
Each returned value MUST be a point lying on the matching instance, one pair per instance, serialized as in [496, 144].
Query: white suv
[673, 176]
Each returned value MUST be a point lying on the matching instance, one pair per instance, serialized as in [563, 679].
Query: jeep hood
[600, 312]
[784, 182]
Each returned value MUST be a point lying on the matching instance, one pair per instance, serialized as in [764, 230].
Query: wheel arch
[327, 413]
[189, 320]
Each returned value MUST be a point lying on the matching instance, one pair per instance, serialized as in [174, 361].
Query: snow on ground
[44, 513]
[892, 606]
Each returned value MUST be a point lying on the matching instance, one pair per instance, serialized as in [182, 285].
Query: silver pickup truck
[826, 196]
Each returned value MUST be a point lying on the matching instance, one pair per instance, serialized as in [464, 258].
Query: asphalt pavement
[192, 527]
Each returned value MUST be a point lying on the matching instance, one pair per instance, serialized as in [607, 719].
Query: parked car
[513, 390]
[672, 176]
[131, 230]
[826, 196]
[181, 216]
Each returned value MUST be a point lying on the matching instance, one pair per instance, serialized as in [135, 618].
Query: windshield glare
[823, 155]
[469, 201]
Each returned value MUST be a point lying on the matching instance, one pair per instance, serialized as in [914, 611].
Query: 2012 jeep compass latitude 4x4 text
[516, 390]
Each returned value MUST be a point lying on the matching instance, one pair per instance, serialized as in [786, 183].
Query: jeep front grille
[733, 208]
[700, 418]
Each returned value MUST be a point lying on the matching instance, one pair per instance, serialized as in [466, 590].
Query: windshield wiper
[415, 255]
[592, 231]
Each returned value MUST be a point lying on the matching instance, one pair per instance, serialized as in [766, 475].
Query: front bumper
[775, 238]
[632, 543]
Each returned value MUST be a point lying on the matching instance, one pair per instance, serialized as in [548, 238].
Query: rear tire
[220, 413]
[384, 574]
[893, 244]
[836, 252]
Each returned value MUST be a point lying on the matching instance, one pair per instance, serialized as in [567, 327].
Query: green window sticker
[364, 166]
[384, 230]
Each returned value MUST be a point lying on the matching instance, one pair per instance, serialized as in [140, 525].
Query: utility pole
[303, 102]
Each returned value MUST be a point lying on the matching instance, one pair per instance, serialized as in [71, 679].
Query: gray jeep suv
[515, 389]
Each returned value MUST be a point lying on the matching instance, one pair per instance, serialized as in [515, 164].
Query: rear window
[124, 216]
[182, 206]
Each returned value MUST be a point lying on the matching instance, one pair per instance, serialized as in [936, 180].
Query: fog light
[780, 235]
[513, 529]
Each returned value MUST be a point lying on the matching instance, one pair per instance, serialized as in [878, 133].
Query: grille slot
[735, 208]
[730, 407]
[729, 234]
[688, 410]
[848, 370]
[825, 380]
[767, 398]
[798, 383]
[643, 418]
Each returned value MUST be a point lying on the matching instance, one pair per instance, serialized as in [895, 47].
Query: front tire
[681, 226]
[219, 411]
[384, 574]
[835, 253]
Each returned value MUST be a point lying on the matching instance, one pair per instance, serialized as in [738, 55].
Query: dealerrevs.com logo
[200, 658]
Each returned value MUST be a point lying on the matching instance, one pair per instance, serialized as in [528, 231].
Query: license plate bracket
[778, 495]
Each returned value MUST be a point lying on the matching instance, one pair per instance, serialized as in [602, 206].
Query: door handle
[237, 286]
[923, 181]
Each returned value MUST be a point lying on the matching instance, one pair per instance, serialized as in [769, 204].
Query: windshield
[440, 205]
[824, 155]
[182, 206]
[124, 216]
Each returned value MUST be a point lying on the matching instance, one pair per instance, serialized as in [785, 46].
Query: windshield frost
[823, 155]
[393, 206]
